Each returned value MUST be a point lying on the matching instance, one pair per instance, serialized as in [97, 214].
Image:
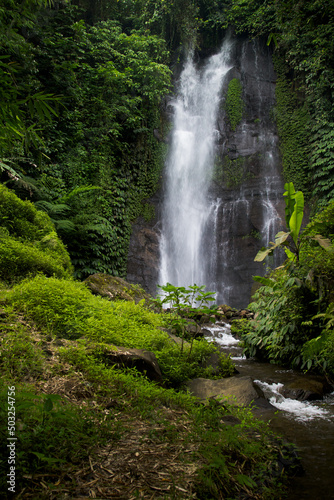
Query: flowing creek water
[307, 424]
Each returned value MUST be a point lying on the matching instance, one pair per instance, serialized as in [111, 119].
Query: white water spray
[189, 171]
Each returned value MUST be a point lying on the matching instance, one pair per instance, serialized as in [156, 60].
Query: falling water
[189, 171]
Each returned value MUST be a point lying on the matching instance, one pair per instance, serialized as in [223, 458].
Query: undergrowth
[56, 437]
[67, 309]
[60, 432]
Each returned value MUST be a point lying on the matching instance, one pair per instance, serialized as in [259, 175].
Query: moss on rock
[115, 288]
[234, 103]
[29, 243]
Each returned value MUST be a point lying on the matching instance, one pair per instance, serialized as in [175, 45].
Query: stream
[307, 424]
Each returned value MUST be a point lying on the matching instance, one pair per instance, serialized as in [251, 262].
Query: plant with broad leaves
[294, 213]
[182, 298]
[290, 240]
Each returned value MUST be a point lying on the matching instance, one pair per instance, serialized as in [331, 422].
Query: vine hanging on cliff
[234, 104]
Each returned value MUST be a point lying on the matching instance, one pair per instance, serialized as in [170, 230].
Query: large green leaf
[323, 242]
[263, 253]
[296, 218]
[289, 201]
[280, 239]
[264, 281]
[291, 256]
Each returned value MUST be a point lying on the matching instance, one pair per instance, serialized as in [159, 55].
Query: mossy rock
[19, 260]
[115, 288]
[29, 244]
[21, 218]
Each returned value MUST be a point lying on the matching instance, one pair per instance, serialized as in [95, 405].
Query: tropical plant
[294, 314]
[294, 213]
[181, 297]
[22, 109]
[186, 305]
[318, 352]
[283, 309]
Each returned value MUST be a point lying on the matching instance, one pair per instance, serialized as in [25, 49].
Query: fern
[78, 191]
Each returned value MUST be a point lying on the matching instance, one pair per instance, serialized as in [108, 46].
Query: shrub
[283, 311]
[316, 262]
[28, 241]
[19, 260]
[240, 327]
[21, 218]
[319, 352]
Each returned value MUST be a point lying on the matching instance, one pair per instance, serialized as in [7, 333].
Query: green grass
[53, 334]
[67, 309]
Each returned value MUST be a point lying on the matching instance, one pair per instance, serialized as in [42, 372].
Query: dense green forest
[82, 147]
[82, 85]
[81, 90]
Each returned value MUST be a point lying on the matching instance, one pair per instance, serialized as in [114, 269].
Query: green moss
[21, 218]
[234, 104]
[116, 288]
[19, 260]
[230, 173]
[28, 242]
[69, 310]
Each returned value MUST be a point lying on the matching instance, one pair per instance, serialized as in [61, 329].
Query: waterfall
[222, 191]
[187, 210]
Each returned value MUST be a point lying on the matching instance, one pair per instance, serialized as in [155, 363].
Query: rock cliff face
[144, 253]
[245, 193]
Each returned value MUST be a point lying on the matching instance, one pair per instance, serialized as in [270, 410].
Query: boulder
[207, 333]
[177, 340]
[304, 389]
[205, 319]
[113, 288]
[193, 328]
[144, 361]
[215, 363]
[242, 390]
[143, 263]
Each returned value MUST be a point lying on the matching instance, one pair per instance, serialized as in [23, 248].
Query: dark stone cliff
[246, 189]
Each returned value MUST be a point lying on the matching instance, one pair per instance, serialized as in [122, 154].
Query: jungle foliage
[294, 305]
[79, 104]
[29, 243]
[301, 35]
[81, 85]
